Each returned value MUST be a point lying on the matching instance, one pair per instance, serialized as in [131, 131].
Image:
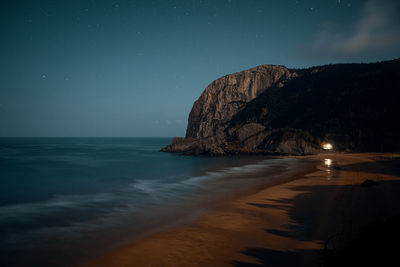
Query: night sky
[134, 68]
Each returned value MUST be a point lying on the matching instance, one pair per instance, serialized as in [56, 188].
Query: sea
[66, 200]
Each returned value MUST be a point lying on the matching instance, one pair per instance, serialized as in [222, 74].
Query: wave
[133, 190]
[93, 211]
[254, 168]
[61, 202]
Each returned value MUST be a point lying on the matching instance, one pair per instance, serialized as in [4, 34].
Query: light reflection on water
[328, 164]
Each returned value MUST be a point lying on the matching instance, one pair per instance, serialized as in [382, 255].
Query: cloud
[376, 32]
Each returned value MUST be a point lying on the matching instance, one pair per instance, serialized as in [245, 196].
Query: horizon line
[87, 136]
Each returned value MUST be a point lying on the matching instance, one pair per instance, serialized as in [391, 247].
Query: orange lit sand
[286, 224]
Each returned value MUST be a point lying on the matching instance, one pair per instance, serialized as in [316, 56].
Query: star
[44, 76]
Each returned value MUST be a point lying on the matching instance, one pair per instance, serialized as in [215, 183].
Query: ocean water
[65, 200]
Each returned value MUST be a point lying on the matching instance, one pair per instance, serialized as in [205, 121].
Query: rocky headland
[275, 110]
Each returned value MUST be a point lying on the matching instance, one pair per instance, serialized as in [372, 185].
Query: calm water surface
[66, 199]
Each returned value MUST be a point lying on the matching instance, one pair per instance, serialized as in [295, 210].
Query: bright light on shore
[327, 146]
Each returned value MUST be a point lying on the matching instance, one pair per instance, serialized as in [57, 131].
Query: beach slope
[292, 224]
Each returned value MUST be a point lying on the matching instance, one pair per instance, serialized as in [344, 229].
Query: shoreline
[288, 222]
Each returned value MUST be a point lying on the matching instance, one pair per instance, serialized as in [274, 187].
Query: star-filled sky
[134, 68]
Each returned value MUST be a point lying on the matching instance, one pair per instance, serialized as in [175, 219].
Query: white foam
[146, 186]
[21, 211]
[245, 169]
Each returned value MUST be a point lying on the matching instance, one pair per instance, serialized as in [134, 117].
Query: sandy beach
[289, 224]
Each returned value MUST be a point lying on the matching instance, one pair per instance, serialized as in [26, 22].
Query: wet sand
[288, 224]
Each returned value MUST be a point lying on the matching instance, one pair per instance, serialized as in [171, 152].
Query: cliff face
[272, 109]
[225, 97]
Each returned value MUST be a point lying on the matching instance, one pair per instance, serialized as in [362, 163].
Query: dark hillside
[356, 106]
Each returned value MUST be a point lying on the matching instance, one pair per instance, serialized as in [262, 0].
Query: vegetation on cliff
[272, 109]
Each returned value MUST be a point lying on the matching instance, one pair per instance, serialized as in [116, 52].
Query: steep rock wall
[226, 96]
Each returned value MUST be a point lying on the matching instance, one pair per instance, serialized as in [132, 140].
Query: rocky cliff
[272, 109]
[225, 97]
